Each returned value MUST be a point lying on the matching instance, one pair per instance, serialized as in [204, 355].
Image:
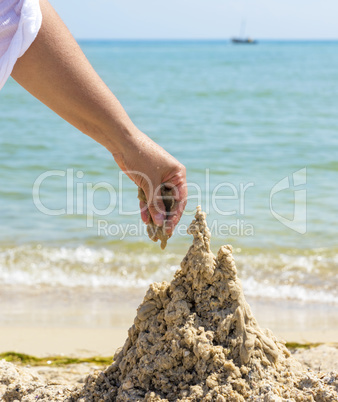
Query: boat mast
[242, 29]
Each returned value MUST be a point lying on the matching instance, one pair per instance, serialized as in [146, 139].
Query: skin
[55, 71]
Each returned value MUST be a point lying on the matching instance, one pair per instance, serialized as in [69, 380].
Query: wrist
[116, 138]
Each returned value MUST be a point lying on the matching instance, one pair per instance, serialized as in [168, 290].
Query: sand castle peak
[217, 294]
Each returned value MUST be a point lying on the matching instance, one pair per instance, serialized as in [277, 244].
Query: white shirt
[20, 21]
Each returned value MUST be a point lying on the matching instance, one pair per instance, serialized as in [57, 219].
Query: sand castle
[195, 339]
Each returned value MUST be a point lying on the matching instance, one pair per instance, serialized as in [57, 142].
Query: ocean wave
[310, 276]
[257, 289]
[81, 266]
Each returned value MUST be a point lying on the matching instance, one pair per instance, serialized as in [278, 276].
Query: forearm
[55, 70]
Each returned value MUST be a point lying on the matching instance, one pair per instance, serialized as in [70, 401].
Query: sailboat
[244, 40]
[241, 38]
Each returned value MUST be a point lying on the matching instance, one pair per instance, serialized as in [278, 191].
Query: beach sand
[101, 332]
[87, 342]
[82, 341]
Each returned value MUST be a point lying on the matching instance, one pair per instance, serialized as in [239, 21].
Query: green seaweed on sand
[296, 345]
[22, 358]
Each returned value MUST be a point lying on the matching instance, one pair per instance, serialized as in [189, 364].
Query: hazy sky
[174, 19]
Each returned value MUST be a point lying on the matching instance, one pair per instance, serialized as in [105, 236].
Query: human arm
[55, 70]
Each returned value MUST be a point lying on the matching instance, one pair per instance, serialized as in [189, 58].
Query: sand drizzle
[196, 339]
[159, 232]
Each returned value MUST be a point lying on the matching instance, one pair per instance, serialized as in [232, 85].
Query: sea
[256, 127]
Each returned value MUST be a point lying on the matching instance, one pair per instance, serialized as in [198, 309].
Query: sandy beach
[83, 341]
[57, 322]
[81, 323]
[193, 338]
[86, 341]
[54, 322]
[323, 358]
[294, 323]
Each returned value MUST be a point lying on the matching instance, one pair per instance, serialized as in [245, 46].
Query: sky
[199, 19]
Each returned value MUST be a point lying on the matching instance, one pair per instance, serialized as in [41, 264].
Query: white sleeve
[20, 21]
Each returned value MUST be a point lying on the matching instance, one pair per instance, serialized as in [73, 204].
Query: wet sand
[79, 331]
[321, 358]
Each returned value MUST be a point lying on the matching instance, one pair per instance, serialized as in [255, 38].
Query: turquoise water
[240, 118]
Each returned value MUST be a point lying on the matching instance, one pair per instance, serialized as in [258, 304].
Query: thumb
[156, 206]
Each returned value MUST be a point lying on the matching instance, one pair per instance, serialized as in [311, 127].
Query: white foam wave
[291, 292]
[279, 276]
[81, 266]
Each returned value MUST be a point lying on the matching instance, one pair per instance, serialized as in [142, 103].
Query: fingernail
[158, 219]
[168, 231]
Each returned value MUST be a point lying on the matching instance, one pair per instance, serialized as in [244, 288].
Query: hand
[150, 166]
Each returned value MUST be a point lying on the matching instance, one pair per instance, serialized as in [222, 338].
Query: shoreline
[88, 342]
[80, 324]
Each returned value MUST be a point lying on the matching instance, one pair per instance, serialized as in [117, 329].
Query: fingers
[151, 203]
[145, 216]
[175, 217]
[156, 207]
[178, 208]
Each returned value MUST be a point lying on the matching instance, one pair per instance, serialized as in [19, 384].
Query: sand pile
[196, 339]
[21, 384]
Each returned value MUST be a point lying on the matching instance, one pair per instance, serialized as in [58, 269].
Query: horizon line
[210, 39]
